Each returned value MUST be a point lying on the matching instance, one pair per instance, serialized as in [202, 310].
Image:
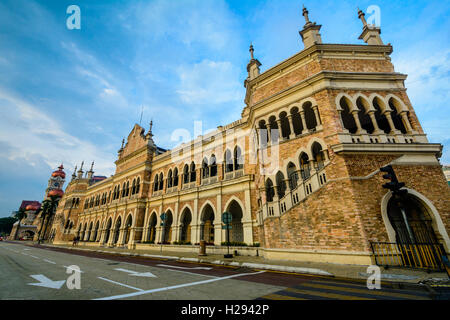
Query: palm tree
[48, 212]
[20, 215]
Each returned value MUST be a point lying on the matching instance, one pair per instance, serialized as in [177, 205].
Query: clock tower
[56, 180]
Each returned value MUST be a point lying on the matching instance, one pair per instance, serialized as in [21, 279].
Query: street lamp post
[226, 219]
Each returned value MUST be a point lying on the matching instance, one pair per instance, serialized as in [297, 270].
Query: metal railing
[427, 256]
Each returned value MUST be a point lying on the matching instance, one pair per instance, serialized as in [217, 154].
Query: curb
[215, 262]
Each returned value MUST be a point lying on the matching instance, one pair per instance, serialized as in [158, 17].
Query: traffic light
[394, 185]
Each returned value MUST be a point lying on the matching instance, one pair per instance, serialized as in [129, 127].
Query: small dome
[56, 193]
[59, 173]
[31, 207]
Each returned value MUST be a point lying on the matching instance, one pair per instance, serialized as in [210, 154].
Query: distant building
[446, 170]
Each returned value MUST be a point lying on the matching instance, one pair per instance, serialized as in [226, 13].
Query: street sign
[163, 216]
[227, 217]
[227, 227]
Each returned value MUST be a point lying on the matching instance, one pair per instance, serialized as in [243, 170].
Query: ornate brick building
[299, 172]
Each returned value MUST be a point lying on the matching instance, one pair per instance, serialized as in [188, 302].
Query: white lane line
[120, 284]
[177, 286]
[25, 254]
[191, 273]
[49, 261]
[33, 256]
[188, 268]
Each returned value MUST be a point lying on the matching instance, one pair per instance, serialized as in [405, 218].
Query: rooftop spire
[251, 51]
[361, 16]
[305, 14]
[310, 33]
[370, 33]
[92, 166]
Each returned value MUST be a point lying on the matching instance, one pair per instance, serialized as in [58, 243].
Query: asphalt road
[38, 273]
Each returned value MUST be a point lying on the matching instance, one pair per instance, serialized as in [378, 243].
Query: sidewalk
[345, 271]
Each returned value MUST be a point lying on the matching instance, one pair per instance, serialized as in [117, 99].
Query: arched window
[156, 185]
[161, 181]
[138, 184]
[285, 127]
[281, 184]
[305, 168]
[292, 175]
[186, 174]
[205, 168]
[347, 119]
[169, 179]
[238, 158]
[133, 187]
[310, 117]
[127, 193]
[396, 118]
[318, 156]
[175, 177]
[193, 175]
[296, 121]
[380, 117]
[270, 192]
[228, 161]
[364, 118]
[124, 187]
[213, 164]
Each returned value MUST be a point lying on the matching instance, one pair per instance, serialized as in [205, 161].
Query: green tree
[6, 225]
[48, 211]
[20, 214]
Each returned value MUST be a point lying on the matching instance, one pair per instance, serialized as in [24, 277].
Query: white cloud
[209, 82]
[30, 133]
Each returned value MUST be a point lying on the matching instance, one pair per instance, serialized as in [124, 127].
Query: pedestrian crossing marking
[364, 291]
[275, 296]
[329, 295]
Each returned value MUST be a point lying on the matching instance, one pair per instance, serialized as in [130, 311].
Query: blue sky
[72, 95]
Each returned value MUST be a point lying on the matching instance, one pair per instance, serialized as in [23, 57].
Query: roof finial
[361, 16]
[305, 14]
[251, 51]
[74, 171]
[81, 168]
[92, 166]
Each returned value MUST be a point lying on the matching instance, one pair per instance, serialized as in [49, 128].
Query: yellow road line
[326, 294]
[364, 291]
[275, 296]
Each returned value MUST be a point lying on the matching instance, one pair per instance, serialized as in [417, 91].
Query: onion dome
[56, 193]
[31, 207]
[59, 173]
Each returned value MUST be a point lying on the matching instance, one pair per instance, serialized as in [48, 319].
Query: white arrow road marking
[137, 274]
[72, 269]
[120, 284]
[188, 268]
[46, 282]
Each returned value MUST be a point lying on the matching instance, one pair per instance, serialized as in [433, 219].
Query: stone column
[404, 115]
[269, 134]
[291, 127]
[302, 116]
[280, 131]
[317, 116]
[388, 116]
[358, 123]
[374, 122]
